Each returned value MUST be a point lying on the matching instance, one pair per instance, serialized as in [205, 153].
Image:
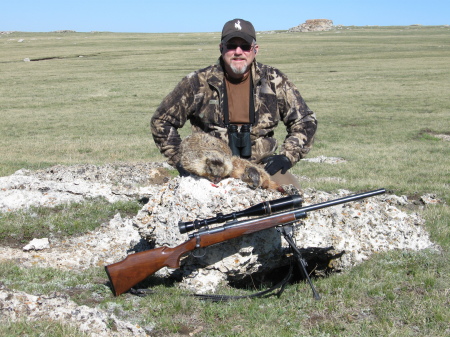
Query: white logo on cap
[237, 25]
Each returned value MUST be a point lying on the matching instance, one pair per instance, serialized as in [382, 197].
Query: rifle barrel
[343, 200]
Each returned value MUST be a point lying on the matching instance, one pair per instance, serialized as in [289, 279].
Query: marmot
[210, 157]
[206, 156]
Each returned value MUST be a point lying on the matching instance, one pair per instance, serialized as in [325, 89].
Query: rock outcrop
[315, 25]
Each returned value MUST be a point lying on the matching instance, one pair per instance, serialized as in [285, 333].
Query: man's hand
[276, 163]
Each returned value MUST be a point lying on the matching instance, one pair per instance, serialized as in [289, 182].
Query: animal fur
[206, 156]
[209, 157]
[253, 175]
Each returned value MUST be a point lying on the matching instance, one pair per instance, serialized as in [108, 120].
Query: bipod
[298, 256]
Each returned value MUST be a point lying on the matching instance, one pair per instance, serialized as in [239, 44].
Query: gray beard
[238, 71]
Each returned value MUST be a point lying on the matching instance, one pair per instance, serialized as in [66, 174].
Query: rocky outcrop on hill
[314, 25]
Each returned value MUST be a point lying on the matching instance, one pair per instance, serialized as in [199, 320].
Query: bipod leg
[300, 260]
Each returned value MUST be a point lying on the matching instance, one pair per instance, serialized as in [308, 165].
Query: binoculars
[239, 140]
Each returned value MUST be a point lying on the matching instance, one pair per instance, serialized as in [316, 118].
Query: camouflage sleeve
[300, 121]
[171, 115]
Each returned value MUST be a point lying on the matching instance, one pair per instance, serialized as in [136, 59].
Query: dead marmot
[210, 157]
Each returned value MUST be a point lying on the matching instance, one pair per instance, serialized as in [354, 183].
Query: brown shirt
[238, 92]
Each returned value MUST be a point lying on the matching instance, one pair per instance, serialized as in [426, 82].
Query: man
[238, 92]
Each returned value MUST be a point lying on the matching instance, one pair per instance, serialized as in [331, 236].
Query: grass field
[381, 99]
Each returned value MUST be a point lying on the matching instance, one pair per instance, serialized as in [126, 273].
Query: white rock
[37, 244]
[430, 199]
[18, 305]
[327, 160]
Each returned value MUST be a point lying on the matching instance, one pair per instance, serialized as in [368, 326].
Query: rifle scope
[266, 207]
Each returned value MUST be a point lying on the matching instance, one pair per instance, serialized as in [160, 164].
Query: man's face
[238, 56]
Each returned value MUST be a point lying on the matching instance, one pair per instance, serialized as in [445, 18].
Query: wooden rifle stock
[137, 267]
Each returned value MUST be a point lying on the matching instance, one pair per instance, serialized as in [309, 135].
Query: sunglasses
[234, 46]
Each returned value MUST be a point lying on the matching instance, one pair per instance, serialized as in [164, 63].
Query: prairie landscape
[380, 95]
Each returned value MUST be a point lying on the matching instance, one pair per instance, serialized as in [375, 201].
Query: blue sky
[209, 16]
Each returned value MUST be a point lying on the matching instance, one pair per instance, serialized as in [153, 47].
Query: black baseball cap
[238, 28]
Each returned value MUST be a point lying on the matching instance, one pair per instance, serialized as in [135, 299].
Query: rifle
[136, 267]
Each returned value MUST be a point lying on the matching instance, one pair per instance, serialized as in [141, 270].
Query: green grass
[17, 228]
[39, 328]
[380, 95]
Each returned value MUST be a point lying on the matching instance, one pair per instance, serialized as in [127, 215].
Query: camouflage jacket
[199, 98]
